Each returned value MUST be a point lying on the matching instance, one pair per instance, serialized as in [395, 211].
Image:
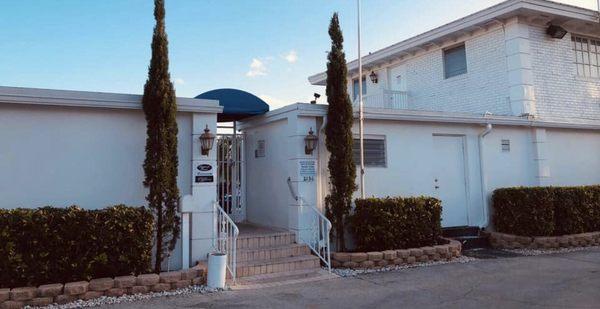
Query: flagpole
[360, 113]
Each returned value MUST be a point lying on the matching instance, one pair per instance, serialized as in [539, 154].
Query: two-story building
[507, 96]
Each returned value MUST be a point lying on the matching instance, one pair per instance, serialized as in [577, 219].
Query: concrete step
[473, 242]
[274, 252]
[265, 240]
[283, 278]
[261, 267]
[459, 231]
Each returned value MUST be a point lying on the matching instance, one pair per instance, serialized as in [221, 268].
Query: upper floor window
[374, 152]
[455, 61]
[587, 56]
[355, 87]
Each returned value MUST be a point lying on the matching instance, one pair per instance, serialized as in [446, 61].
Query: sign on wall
[204, 173]
[307, 170]
[260, 150]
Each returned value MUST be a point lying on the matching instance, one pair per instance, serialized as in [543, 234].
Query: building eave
[87, 99]
[493, 14]
[319, 110]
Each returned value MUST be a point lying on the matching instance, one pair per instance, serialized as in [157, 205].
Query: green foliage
[547, 211]
[50, 245]
[160, 165]
[396, 223]
[338, 131]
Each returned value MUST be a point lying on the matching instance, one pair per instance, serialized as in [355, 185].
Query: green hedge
[547, 211]
[52, 245]
[396, 223]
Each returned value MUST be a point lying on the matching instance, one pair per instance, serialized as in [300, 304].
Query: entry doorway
[450, 178]
[231, 189]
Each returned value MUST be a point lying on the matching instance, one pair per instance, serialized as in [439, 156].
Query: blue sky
[265, 47]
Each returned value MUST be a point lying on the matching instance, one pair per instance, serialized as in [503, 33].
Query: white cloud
[179, 81]
[272, 101]
[291, 56]
[257, 68]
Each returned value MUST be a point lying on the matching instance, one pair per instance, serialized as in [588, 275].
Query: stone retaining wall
[63, 293]
[508, 241]
[359, 260]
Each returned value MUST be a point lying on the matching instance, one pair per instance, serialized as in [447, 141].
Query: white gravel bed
[534, 252]
[105, 300]
[346, 272]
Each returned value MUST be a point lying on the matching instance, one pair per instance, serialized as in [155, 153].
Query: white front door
[450, 181]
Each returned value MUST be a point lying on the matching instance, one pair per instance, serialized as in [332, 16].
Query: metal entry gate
[231, 179]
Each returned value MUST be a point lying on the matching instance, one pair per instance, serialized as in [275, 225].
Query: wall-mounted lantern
[373, 77]
[206, 141]
[310, 142]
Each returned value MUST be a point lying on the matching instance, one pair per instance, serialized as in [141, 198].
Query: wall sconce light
[310, 142]
[373, 77]
[206, 141]
[556, 32]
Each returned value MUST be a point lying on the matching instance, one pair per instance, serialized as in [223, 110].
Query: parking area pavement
[565, 280]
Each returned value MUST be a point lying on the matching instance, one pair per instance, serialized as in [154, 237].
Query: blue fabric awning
[237, 104]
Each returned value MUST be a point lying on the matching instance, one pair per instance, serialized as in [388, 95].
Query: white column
[304, 182]
[198, 207]
[520, 73]
[540, 157]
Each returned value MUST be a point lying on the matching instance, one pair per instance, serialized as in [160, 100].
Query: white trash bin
[217, 270]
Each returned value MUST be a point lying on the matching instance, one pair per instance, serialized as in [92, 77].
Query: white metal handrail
[391, 99]
[225, 238]
[320, 228]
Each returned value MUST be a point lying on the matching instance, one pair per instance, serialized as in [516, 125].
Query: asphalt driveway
[566, 280]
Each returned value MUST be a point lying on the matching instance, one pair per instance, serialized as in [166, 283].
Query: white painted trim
[497, 12]
[320, 110]
[69, 98]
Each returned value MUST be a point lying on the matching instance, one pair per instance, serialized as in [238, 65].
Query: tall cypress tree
[160, 165]
[342, 171]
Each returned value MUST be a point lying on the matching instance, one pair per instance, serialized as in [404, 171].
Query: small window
[355, 87]
[455, 61]
[374, 152]
[505, 145]
[586, 56]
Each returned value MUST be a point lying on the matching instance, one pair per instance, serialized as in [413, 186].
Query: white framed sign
[307, 170]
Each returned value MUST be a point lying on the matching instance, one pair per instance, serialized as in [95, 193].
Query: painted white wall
[93, 157]
[559, 92]
[267, 194]
[573, 157]
[76, 156]
[269, 198]
[411, 159]
[512, 69]
[484, 88]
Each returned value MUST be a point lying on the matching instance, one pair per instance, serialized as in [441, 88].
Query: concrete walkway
[567, 280]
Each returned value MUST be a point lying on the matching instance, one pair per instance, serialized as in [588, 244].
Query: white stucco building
[490, 100]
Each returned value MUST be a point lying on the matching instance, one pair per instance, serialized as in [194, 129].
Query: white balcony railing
[390, 99]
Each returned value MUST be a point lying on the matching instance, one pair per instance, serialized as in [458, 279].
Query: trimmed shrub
[49, 245]
[396, 223]
[523, 211]
[547, 211]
